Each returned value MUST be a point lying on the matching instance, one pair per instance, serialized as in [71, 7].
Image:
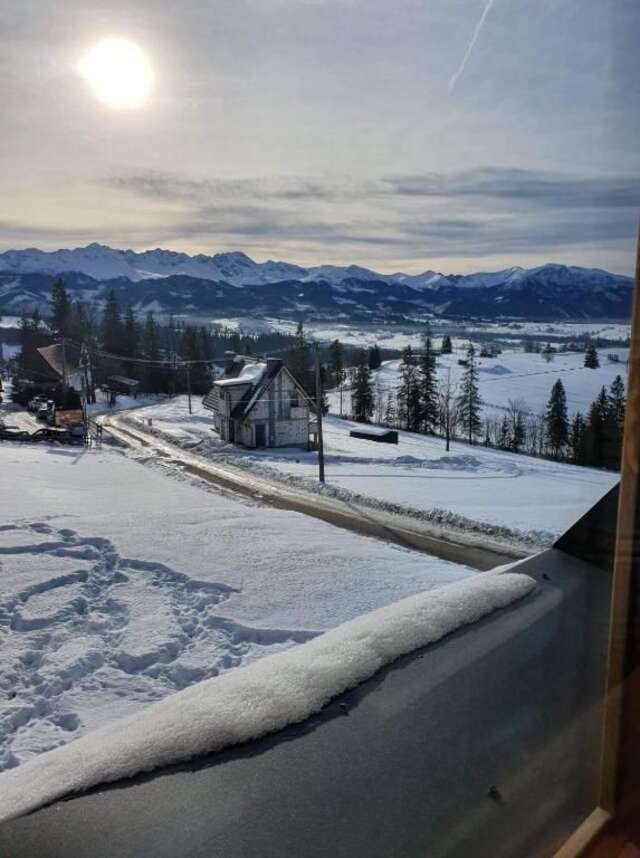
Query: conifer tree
[362, 397]
[618, 401]
[111, 332]
[446, 347]
[409, 399]
[504, 441]
[375, 358]
[428, 385]
[469, 401]
[591, 359]
[61, 312]
[556, 419]
[577, 440]
[298, 360]
[336, 363]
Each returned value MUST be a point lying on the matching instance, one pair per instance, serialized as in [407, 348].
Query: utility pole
[319, 399]
[188, 365]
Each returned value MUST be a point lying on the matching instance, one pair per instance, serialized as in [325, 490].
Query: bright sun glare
[118, 72]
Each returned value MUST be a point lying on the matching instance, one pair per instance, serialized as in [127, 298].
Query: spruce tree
[336, 363]
[61, 310]
[446, 347]
[469, 401]
[504, 441]
[409, 398]
[428, 386]
[618, 401]
[577, 440]
[298, 360]
[111, 332]
[556, 419]
[362, 396]
[591, 359]
[375, 358]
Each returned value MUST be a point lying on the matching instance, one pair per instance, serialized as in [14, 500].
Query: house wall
[289, 426]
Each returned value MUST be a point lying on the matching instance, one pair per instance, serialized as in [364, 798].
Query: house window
[294, 399]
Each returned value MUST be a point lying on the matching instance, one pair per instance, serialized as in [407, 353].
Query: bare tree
[448, 408]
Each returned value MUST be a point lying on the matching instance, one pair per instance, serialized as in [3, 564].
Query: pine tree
[336, 363]
[428, 387]
[595, 440]
[362, 399]
[111, 332]
[618, 401]
[591, 359]
[446, 347]
[556, 419]
[61, 315]
[577, 440]
[504, 440]
[375, 358]
[469, 401]
[298, 360]
[409, 399]
[131, 334]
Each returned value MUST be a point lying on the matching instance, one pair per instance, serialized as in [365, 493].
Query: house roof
[61, 361]
[249, 374]
[255, 393]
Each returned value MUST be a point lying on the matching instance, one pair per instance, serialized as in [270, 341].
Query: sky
[454, 135]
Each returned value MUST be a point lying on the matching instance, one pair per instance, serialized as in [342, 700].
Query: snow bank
[261, 698]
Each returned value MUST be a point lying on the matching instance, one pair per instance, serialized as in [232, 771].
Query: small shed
[375, 433]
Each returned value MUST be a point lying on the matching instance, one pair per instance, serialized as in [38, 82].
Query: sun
[118, 72]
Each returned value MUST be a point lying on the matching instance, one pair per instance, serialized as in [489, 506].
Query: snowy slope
[120, 585]
[531, 498]
[515, 375]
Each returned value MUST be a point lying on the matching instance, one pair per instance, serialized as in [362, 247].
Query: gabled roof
[256, 392]
[59, 360]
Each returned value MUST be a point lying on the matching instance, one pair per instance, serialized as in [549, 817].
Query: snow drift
[261, 698]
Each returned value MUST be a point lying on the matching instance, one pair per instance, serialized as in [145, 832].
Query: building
[261, 405]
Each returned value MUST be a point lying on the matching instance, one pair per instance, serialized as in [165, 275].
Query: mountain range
[166, 281]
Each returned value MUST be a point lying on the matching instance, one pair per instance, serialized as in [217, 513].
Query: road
[477, 551]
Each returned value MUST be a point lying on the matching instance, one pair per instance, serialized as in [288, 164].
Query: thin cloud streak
[470, 46]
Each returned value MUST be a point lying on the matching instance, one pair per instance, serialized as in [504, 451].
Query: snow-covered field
[533, 498]
[515, 375]
[121, 584]
[394, 336]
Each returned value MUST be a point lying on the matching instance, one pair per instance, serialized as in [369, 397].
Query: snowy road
[458, 547]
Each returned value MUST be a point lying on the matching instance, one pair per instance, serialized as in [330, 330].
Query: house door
[261, 435]
[231, 433]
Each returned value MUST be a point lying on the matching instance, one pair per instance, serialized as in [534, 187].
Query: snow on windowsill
[261, 698]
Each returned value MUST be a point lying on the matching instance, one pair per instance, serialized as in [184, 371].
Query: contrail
[470, 46]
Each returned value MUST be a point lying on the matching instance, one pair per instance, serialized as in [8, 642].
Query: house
[261, 404]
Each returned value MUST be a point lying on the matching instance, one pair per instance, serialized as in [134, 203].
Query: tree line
[432, 405]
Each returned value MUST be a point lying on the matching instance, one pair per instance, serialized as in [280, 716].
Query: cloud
[531, 186]
[470, 46]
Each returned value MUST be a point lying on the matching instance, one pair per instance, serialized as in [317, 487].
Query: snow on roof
[249, 374]
[263, 697]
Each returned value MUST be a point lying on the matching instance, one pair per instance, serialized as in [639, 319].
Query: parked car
[42, 412]
[35, 403]
[12, 433]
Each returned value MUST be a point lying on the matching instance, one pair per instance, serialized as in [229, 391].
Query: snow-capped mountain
[171, 282]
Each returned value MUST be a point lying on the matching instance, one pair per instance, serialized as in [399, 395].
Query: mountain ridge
[238, 269]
